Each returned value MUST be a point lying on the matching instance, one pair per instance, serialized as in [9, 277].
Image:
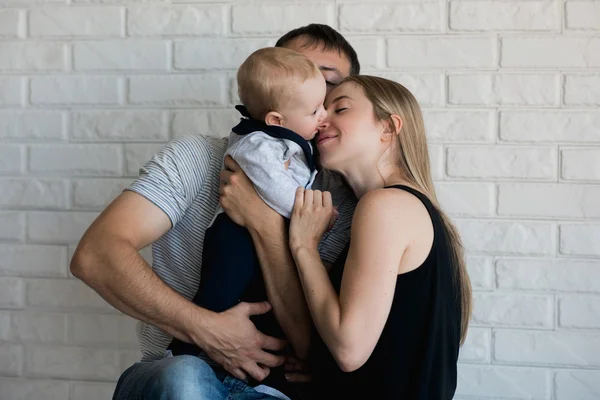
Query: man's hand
[239, 198]
[235, 343]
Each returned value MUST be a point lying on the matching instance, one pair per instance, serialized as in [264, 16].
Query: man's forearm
[116, 270]
[284, 290]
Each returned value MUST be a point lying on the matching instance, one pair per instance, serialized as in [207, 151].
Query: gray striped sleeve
[174, 176]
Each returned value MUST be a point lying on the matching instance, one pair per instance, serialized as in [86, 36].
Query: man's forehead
[326, 59]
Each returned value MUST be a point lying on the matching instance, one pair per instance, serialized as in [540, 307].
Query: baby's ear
[274, 118]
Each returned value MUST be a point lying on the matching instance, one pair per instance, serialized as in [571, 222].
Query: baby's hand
[334, 218]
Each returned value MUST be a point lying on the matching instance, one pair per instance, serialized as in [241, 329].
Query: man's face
[334, 66]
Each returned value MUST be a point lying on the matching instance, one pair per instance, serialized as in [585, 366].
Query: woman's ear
[274, 118]
[392, 127]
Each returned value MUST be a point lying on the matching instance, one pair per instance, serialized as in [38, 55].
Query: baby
[282, 93]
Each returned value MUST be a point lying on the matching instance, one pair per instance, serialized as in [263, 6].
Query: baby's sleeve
[263, 159]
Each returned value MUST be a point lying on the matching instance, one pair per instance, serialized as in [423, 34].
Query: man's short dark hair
[328, 38]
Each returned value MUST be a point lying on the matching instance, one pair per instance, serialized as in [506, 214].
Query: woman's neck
[363, 180]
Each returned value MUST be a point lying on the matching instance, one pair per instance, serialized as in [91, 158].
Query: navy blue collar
[248, 125]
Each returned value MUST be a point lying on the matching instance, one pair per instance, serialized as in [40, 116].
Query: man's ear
[392, 127]
[274, 118]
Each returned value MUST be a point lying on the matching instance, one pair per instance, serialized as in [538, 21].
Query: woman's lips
[324, 139]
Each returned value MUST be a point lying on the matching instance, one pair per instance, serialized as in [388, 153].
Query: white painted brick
[11, 158]
[370, 51]
[582, 15]
[63, 294]
[32, 56]
[201, 90]
[137, 55]
[33, 193]
[75, 21]
[560, 275]
[580, 164]
[441, 52]
[176, 20]
[76, 159]
[579, 349]
[12, 226]
[33, 389]
[518, 310]
[38, 327]
[459, 126]
[579, 312]
[97, 193]
[21, 2]
[32, 125]
[502, 162]
[550, 52]
[505, 15]
[428, 89]
[75, 90]
[576, 239]
[58, 227]
[531, 199]
[481, 272]
[580, 385]
[216, 53]
[550, 126]
[436, 161]
[477, 347]
[504, 89]
[487, 382]
[12, 359]
[511, 237]
[92, 391]
[110, 330]
[129, 357]
[279, 18]
[424, 16]
[12, 293]
[217, 123]
[11, 89]
[10, 23]
[120, 126]
[4, 326]
[32, 260]
[582, 90]
[137, 155]
[72, 362]
[466, 198]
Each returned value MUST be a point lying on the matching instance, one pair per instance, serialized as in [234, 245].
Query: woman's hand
[312, 215]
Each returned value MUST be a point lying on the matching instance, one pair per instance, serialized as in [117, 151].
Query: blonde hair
[264, 78]
[412, 159]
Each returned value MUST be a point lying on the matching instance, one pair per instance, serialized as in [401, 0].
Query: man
[170, 206]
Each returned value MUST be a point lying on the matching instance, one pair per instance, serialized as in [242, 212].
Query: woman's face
[350, 134]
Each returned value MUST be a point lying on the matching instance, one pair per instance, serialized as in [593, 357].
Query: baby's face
[305, 112]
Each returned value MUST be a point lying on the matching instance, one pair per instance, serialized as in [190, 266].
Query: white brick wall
[90, 89]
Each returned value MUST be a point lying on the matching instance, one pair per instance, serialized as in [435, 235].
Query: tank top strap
[424, 199]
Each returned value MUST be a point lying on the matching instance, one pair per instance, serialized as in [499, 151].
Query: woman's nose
[324, 124]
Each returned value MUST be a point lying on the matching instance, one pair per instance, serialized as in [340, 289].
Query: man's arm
[270, 236]
[108, 260]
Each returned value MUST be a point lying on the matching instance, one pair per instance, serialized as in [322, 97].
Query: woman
[394, 309]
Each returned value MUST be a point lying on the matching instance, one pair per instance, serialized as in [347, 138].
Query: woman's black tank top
[416, 355]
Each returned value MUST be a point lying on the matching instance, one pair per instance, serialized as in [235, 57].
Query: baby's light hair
[264, 79]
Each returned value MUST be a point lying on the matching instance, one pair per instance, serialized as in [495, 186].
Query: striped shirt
[182, 179]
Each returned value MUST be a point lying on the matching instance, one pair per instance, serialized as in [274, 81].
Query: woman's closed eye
[341, 109]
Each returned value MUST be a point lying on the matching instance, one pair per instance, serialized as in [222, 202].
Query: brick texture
[90, 90]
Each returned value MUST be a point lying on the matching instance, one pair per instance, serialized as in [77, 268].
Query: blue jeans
[182, 378]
